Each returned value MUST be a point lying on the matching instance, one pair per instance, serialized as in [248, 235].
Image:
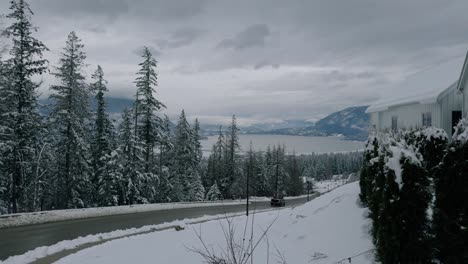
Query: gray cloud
[263, 64]
[259, 59]
[179, 38]
[252, 36]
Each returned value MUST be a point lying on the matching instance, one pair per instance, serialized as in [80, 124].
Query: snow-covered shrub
[366, 177]
[432, 143]
[397, 196]
[451, 204]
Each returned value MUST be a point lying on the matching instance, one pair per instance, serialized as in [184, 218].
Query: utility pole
[248, 177]
[308, 190]
[277, 173]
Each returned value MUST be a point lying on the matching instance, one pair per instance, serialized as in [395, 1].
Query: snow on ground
[69, 214]
[328, 229]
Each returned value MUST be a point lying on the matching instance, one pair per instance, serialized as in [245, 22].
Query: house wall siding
[452, 101]
[465, 99]
[409, 116]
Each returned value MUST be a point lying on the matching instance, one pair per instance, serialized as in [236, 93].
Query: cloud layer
[261, 60]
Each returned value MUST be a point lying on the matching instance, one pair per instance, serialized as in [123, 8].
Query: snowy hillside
[351, 122]
[326, 230]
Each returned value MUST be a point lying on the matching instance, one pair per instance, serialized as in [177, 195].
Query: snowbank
[45, 251]
[12, 220]
[328, 229]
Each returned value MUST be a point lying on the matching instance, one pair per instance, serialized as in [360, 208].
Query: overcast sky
[263, 60]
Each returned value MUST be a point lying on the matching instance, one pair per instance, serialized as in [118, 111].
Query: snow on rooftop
[422, 87]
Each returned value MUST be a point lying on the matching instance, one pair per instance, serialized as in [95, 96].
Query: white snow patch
[461, 131]
[431, 133]
[398, 150]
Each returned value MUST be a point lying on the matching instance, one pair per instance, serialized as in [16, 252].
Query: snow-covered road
[327, 229]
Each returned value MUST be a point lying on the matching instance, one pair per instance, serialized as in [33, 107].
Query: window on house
[394, 123]
[427, 119]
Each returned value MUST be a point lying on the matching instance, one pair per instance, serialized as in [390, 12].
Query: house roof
[423, 87]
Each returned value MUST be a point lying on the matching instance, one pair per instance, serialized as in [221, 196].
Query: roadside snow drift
[12, 220]
[328, 229]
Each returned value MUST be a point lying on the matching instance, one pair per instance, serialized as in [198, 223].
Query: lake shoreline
[301, 145]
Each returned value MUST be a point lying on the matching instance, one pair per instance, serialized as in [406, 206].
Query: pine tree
[165, 161]
[198, 152]
[295, 186]
[184, 156]
[21, 124]
[196, 191]
[129, 173]
[231, 158]
[260, 180]
[214, 194]
[102, 145]
[216, 169]
[71, 119]
[4, 180]
[149, 126]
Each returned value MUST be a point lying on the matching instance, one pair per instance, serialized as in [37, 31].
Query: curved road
[18, 240]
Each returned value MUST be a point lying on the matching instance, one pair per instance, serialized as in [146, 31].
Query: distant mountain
[352, 123]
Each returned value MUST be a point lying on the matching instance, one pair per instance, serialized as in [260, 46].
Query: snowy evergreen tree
[129, 174]
[148, 127]
[196, 191]
[70, 119]
[21, 124]
[184, 157]
[165, 161]
[260, 181]
[280, 175]
[102, 145]
[232, 174]
[198, 152]
[215, 168]
[214, 194]
[295, 185]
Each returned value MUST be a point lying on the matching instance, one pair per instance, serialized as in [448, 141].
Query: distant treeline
[271, 171]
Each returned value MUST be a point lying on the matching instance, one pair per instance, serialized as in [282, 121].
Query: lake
[302, 145]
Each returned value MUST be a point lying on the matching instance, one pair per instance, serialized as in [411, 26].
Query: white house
[432, 97]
